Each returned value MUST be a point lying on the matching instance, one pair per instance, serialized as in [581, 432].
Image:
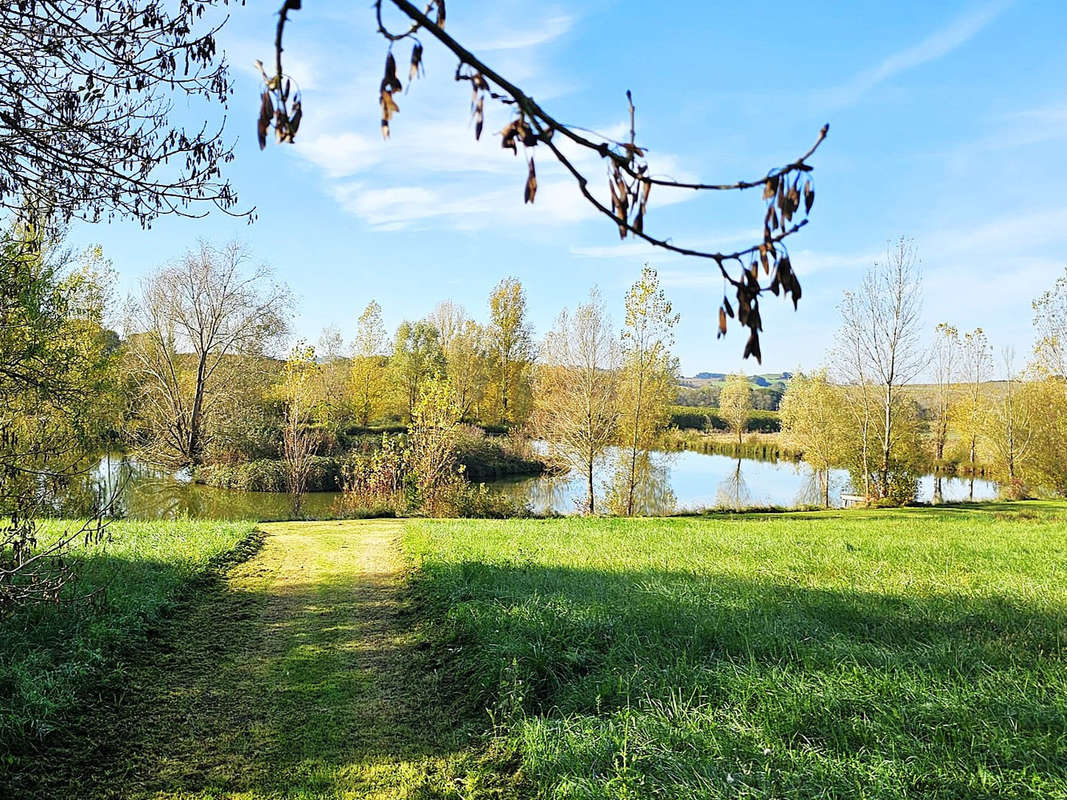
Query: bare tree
[1050, 323]
[192, 316]
[449, 319]
[85, 99]
[976, 366]
[883, 327]
[788, 191]
[943, 358]
[576, 389]
[1009, 431]
[299, 441]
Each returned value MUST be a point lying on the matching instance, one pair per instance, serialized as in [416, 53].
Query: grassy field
[911, 653]
[867, 654]
[50, 656]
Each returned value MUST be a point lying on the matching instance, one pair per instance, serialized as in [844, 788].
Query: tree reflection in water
[653, 495]
[733, 492]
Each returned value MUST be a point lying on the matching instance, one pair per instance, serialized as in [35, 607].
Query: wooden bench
[850, 500]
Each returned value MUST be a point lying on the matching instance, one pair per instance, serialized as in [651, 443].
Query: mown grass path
[289, 677]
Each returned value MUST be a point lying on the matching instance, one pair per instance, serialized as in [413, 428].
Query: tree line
[201, 375]
[978, 413]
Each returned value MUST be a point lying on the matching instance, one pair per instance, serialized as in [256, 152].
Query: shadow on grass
[310, 688]
[903, 688]
[314, 688]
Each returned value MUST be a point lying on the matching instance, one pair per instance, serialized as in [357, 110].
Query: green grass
[299, 674]
[889, 654]
[51, 655]
[874, 654]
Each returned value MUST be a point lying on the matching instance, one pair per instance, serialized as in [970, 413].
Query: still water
[670, 482]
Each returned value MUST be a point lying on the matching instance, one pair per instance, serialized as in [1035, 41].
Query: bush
[685, 418]
[763, 422]
[268, 475]
[479, 502]
[487, 458]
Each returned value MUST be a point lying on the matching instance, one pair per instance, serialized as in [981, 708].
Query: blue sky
[948, 124]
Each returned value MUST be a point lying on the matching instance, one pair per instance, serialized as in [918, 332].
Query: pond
[691, 481]
[671, 482]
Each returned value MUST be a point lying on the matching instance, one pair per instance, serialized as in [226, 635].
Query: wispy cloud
[937, 45]
[540, 33]
[1047, 123]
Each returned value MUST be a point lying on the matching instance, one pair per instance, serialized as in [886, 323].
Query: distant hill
[762, 380]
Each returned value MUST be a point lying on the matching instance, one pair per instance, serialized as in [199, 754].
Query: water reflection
[667, 483]
[652, 492]
[141, 491]
[733, 492]
[691, 481]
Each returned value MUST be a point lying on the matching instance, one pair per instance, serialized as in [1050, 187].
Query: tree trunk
[973, 454]
[633, 447]
[887, 443]
[197, 412]
[589, 487]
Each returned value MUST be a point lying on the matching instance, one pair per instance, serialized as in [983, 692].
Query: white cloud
[441, 176]
[808, 262]
[541, 32]
[455, 205]
[938, 44]
[1020, 129]
[999, 237]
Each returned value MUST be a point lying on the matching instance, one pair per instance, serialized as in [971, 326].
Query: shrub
[268, 475]
[487, 458]
[763, 422]
[685, 418]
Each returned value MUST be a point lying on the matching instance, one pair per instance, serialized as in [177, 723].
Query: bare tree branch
[788, 191]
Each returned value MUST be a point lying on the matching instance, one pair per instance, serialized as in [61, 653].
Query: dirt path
[291, 677]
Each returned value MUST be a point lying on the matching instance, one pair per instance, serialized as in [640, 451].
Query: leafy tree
[814, 420]
[56, 370]
[435, 473]
[333, 398]
[192, 318]
[575, 397]
[648, 379]
[1044, 397]
[1042, 403]
[735, 403]
[369, 378]
[468, 370]
[1009, 431]
[511, 347]
[417, 358]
